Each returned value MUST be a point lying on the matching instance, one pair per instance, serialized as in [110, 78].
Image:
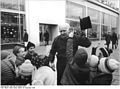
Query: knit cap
[93, 61]
[108, 65]
[80, 57]
[103, 51]
[26, 68]
[64, 26]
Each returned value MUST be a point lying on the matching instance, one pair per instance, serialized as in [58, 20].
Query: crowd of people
[74, 66]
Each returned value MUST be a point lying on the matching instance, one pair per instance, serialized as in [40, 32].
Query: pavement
[44, 50]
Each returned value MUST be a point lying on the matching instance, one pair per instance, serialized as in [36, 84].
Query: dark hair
[30, 44]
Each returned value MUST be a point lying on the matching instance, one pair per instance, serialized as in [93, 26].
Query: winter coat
[114, 38]
[44, 76]
[108, 39]
[46, 35]
[7, 72]
[75, 75]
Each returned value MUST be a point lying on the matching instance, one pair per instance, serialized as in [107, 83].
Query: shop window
[94, 15]
[22, 5]
[106, 19]
[11, 29]
[94, 32]
[113, 21]
[74, 10]
[104, 30]
[74, 24]
[7, 4]
[13, 4]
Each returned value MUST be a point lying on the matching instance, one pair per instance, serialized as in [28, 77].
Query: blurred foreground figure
[8, 74]
[44, 76]
[102, 67]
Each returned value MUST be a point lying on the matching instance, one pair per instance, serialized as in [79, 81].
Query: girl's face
[31, 49]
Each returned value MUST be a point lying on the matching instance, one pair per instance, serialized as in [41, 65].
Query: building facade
[37, 16]
[104, 19]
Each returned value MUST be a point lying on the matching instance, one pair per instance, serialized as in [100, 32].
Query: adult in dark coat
[25, 37]
[59, 47]
[46, 36]
[114, 40]
[108, 39]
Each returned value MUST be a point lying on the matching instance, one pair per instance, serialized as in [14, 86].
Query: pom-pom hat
[93, 61]
[108, 65]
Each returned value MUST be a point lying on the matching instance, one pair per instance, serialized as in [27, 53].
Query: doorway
[50, 28]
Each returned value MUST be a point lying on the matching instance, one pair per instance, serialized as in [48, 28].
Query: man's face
[31, 49]
[21, 52]
[63, 31]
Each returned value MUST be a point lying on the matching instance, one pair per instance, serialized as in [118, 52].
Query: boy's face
[31, 49]
[21, 52]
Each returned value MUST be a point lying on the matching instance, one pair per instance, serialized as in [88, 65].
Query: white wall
[43, 11]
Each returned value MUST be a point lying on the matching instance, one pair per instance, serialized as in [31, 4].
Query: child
[77, 72]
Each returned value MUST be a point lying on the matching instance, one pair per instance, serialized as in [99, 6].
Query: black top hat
[85, 23]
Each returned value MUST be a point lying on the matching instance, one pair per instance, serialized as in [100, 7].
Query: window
[74, 24]
[94, 15]
[75, 10]
[94, 32]
[104, 30]
[22, 5]
[114, 21]
[11, 29]
[106, 19]
[13, 4]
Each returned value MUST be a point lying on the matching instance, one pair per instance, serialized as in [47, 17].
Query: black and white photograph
[60, 43]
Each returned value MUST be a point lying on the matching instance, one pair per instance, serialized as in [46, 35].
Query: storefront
[12, 21]
[104, 19]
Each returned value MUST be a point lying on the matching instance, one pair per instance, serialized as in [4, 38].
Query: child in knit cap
[77, 72]
[25, 72]
[44, 75]
[103, 67]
